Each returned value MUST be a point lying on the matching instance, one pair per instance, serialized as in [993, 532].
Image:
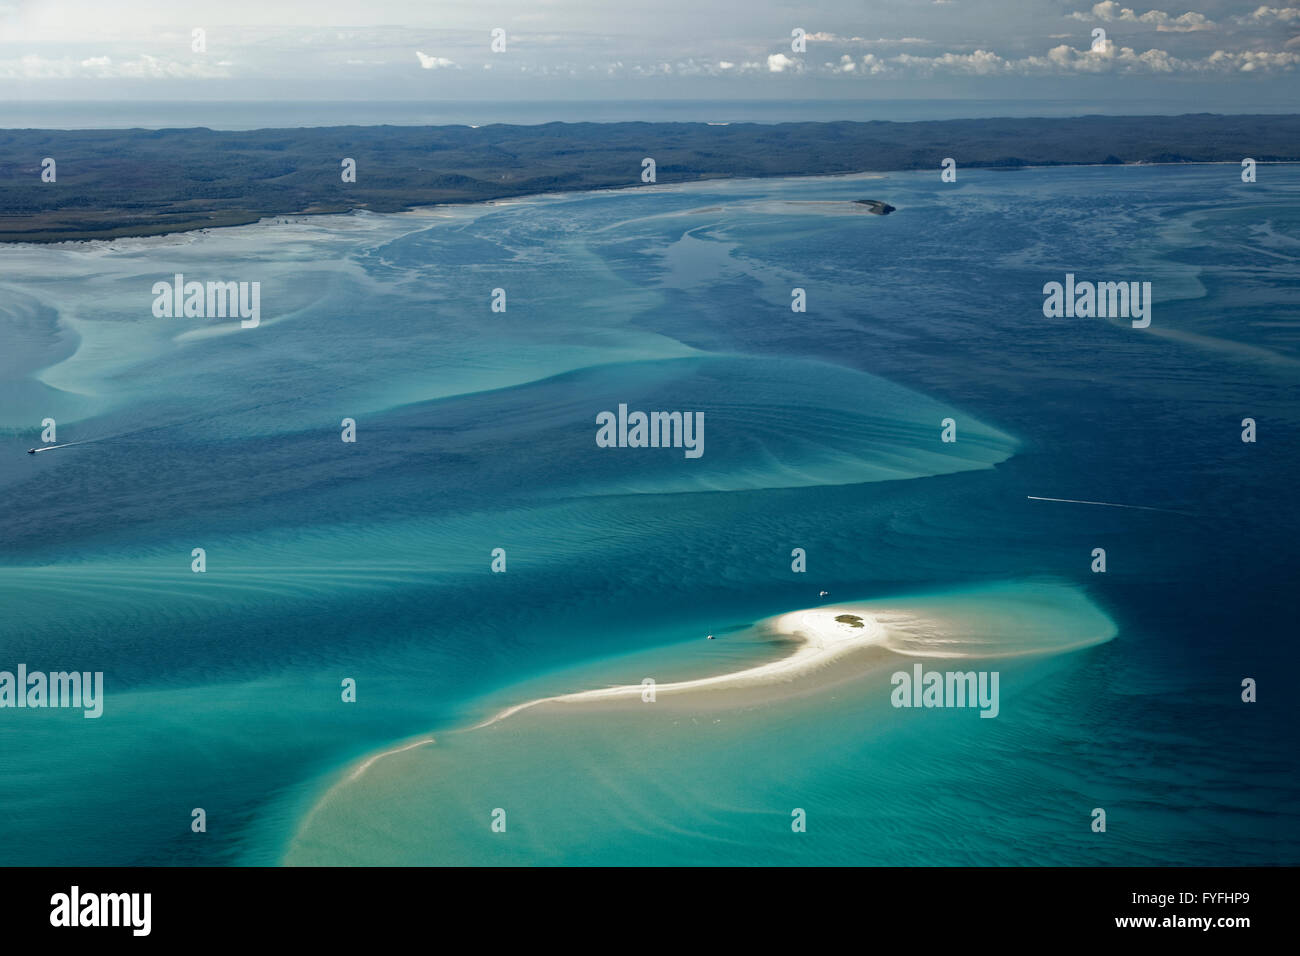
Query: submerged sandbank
[630, 768]
[818, 636]
[835, 644]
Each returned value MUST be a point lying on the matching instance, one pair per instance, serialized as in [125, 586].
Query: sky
[1240, 53]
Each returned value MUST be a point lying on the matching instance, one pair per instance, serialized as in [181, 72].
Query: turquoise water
[706, 778]
[476, 431]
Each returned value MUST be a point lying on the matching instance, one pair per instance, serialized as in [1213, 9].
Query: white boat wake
[37, 451]
[1107, 504]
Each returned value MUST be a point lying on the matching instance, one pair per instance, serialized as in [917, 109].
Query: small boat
[31, 451]
[709, 638]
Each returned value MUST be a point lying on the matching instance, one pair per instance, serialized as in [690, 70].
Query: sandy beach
[845, 642]
[838, 644]
[818, 636]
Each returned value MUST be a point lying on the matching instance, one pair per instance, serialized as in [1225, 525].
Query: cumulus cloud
[142, 67]
[686, 67]
[1108, 11]
[1272, 15]
[874, 65]
[980, 63]
[1066, 60]
[1253, 61]
[433, 62]
[780, 63]
[863, 41]
[1107, 58]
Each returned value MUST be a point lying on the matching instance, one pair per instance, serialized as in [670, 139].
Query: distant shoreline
[112, 184]
[417, 208]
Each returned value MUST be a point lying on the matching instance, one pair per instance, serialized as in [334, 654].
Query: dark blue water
[476, 431]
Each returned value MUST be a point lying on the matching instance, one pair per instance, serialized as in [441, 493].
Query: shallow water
[476, 431]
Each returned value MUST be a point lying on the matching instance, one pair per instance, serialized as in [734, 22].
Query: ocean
[277, 114]
[371, 561]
